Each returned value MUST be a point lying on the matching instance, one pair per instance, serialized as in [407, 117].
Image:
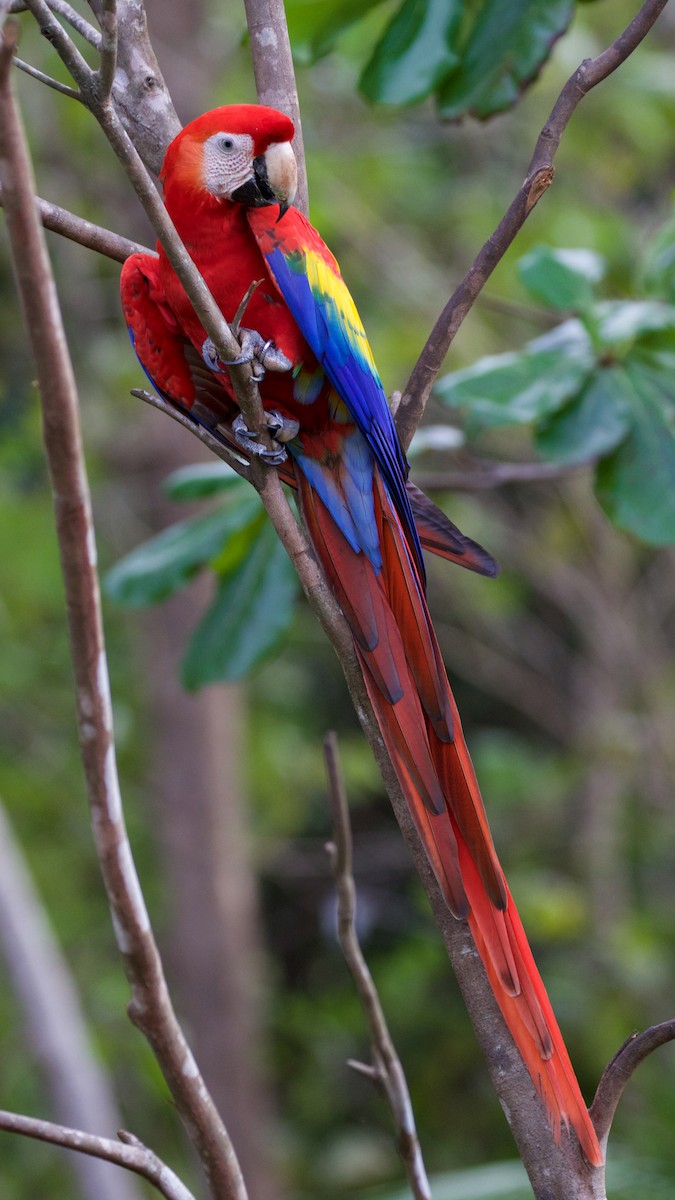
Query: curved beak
[274, 179]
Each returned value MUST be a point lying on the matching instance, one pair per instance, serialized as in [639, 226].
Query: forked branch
[129, 1152]
[386, 1071]
[537, 180]
[150, 1006]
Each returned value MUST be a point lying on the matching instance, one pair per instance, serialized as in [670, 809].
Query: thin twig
[200, 431]
[55, 1025]
[77, 21]
[275, 75]
[108, 64]
[538, 178]
[63, 88]
[65, 47]
[131, 1153]
[69, 14]
[387, 1070]
[618, 1071]
[150, 1007]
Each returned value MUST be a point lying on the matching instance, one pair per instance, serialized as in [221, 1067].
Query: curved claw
[247, 439]
[265, 356]
[282, 429]
[219, 365]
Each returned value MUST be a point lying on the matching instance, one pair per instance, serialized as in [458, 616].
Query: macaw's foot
[282, 429]
[263, 356]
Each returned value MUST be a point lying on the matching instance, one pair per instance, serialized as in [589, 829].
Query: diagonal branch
[64, 45]
[129, 1152]
[63, 88]
[69, 14]
[85, 233]
[538, 178]
[150, 1007]
[200, 431]
[387, 1071]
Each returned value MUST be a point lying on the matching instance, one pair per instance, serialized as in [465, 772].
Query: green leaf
[518, 388]
[504, 49]
[636, 484]
[201, 480]
[561, 278]
[161, 566]
[251, 611]
[589, 426]
[619, 323]
[416, 52]
[314, 28]
[658, 271]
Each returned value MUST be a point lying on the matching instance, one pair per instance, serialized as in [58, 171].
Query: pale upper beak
[274, 179]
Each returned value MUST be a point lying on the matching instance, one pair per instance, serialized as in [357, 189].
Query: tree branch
[618, 1071]
[63, 88]
[387, 1071]
[108, 63]
[55, 1025]
[554, 1171]
[132, 1154]
[85, 233]
[275, 76]
[150, 1006]
[69, 14]
[200, 431]
[67, 51]
[538, 178]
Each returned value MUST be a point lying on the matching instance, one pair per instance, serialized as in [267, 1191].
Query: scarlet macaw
[229, 183]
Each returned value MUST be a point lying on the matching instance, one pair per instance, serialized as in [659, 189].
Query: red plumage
[344, 481]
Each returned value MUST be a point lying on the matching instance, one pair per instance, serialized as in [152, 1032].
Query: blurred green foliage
[571, 731]
[599, 387]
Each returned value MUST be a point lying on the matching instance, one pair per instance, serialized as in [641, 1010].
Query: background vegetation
[563, 667]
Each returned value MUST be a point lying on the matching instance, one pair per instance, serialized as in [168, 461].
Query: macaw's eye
[227, 143]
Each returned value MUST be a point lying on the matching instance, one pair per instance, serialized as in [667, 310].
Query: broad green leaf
[416, 52]
[201, 480]
[561, 278]
[658, 272]
[636, 484]
[502, 52]
[238, 544]
[619, 323]
[251, 611]
[590, 425]
[161, 566]
[518, 388]
[314, 28]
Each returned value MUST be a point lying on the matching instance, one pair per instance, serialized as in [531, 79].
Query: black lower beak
[256, 192]
[250, 194]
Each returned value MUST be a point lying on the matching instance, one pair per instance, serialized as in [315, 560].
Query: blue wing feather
[324, 310]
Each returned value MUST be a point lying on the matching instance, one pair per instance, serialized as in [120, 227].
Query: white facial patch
[228, 162]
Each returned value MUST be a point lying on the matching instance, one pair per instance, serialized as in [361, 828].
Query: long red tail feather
[418, 718]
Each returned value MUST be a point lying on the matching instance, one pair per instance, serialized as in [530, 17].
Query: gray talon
[247, 439]
[282, 429]
[264, 356]
[217, 364]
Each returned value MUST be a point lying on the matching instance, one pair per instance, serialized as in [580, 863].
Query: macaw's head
[240, 152]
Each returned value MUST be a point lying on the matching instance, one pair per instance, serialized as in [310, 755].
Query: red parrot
[229, 182]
